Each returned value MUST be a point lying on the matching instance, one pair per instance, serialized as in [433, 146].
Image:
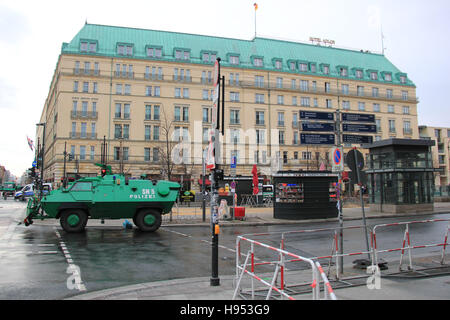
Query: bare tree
[165, 150]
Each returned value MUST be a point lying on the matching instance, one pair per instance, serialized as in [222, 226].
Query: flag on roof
[30, 143]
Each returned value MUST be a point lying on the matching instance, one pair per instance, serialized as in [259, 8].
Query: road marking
[74, 268]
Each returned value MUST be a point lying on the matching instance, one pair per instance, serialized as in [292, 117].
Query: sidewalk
[200, 289]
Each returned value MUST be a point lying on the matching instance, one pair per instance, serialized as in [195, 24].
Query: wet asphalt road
[35, 260]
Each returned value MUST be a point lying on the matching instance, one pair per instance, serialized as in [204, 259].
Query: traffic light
[31, 172]
[103, 172]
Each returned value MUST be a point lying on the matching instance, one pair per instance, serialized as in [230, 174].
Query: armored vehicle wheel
[73, 220]
[148, 220]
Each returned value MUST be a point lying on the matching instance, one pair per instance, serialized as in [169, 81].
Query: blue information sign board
[359, 128]
[313, 115]
[306, 138]
[356, 139]
[321, 127]
[356, 117]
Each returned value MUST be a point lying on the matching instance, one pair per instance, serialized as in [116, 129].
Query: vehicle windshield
[82, 186]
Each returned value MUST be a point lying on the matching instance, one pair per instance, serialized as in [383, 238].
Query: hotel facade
[148, 93]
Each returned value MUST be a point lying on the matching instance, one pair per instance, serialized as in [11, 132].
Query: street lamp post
[42, 124]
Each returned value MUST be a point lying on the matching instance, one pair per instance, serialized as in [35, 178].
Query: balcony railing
[89, 115]
[83, 135]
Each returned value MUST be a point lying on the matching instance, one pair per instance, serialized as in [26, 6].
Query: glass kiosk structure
[400, 175]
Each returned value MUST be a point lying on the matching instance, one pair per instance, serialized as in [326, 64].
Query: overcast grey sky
[32, 32]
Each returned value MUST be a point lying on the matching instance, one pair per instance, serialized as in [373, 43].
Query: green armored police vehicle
[109, 196]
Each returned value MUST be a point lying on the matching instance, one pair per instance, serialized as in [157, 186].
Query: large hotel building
[149, 94]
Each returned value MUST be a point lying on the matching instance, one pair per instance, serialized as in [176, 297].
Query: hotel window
[234, 79]
[148, 112]
[84, 107]
[117, 131]
[258, 62]
[329, 103]
[77, 67]
[96, 68]
[293, 84]
[234, 96]
[147, 132]
[359, 74]
[260, 136]
[281, 119]
[205, 115]
[295, 138]
[312, 67]
[118, 113]
[157, 91]
[118, 88]
[124, 50]
[316, 103]
[156, 112]
[327, 87]
[155, 155]
[374, 75]
[148, 91]
[82, 152]
[155, 133]
[391, 109]
[389, 93]
[303, 67]
[376, 107]
[326, 69]
[94, 108]
[402, 79]
[344, 72]
[378, 124]
[83, 46]
[294, 101]
[304, 85]
[392, 126]
[361, 106]
[281, 137]
[259, 117]
[205, 134]
[83, 129]
[345, 89]
[346, 105]
[387, 77]
[205, 94]
[177, 114]
[154, 52]
[126, 111]
[95, 88]
[285, 157]
[305, 101]
[404, 95]
[186, 114]
[360, 90]
[279, 83]
[127, 89]
[278, 64]
[146, 154]
[292, 66]
[259, 98]
[234, 136]
[185, 93]
[375, 92]
[280, 99]
[92, 152]
[126, 131]
[87, 67]
[75, 86]
[259, 81]
[407, 127]
[177, 92]
[234, 59]
[85, 87]
[405, 109]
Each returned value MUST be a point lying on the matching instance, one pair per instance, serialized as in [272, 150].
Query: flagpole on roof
[256, 8]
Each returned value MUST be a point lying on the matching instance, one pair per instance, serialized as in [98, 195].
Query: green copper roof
[107, 39]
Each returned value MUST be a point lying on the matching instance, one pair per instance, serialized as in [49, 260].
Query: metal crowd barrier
[316, 271]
